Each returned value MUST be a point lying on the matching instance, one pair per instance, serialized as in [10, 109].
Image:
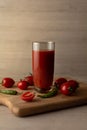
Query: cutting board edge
[46, 108]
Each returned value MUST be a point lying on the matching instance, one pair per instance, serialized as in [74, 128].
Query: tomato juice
[43, 68]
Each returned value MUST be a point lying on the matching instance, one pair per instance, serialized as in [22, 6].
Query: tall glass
[43, 64]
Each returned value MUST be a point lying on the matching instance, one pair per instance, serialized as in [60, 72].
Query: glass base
[40, 90]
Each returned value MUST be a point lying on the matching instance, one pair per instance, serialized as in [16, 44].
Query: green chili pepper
[51, 93]
[10, 92]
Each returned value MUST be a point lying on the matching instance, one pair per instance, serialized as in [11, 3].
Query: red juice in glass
[43, 65]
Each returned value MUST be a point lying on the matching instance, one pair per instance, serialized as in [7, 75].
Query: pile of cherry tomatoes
[66, 87]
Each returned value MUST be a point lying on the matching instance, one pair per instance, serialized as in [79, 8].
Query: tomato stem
[30, 73]
[70, 89]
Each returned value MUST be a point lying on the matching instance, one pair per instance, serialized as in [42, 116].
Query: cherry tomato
[74, 83]
[22, 85]
[58, 82]
[27, 96]
[8, 82]
[29, 79]
[67, 89]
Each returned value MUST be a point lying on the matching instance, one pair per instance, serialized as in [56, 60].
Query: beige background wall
[24, 21]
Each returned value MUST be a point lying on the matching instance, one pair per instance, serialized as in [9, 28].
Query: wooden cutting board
[21, 108]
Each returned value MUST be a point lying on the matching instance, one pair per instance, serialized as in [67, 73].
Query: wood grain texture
[25, 21]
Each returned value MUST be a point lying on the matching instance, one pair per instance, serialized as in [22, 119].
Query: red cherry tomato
[22, 85]
[27, 96]
[58, 82]
[8, 82]
[29, 79]
[67, 89]
[74, 83]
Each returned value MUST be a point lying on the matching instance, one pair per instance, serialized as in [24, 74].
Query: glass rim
[43, 45]
[43, 42]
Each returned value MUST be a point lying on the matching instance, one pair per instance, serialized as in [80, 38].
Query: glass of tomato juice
[43, 65]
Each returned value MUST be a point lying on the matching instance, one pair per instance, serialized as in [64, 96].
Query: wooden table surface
[69, 119]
